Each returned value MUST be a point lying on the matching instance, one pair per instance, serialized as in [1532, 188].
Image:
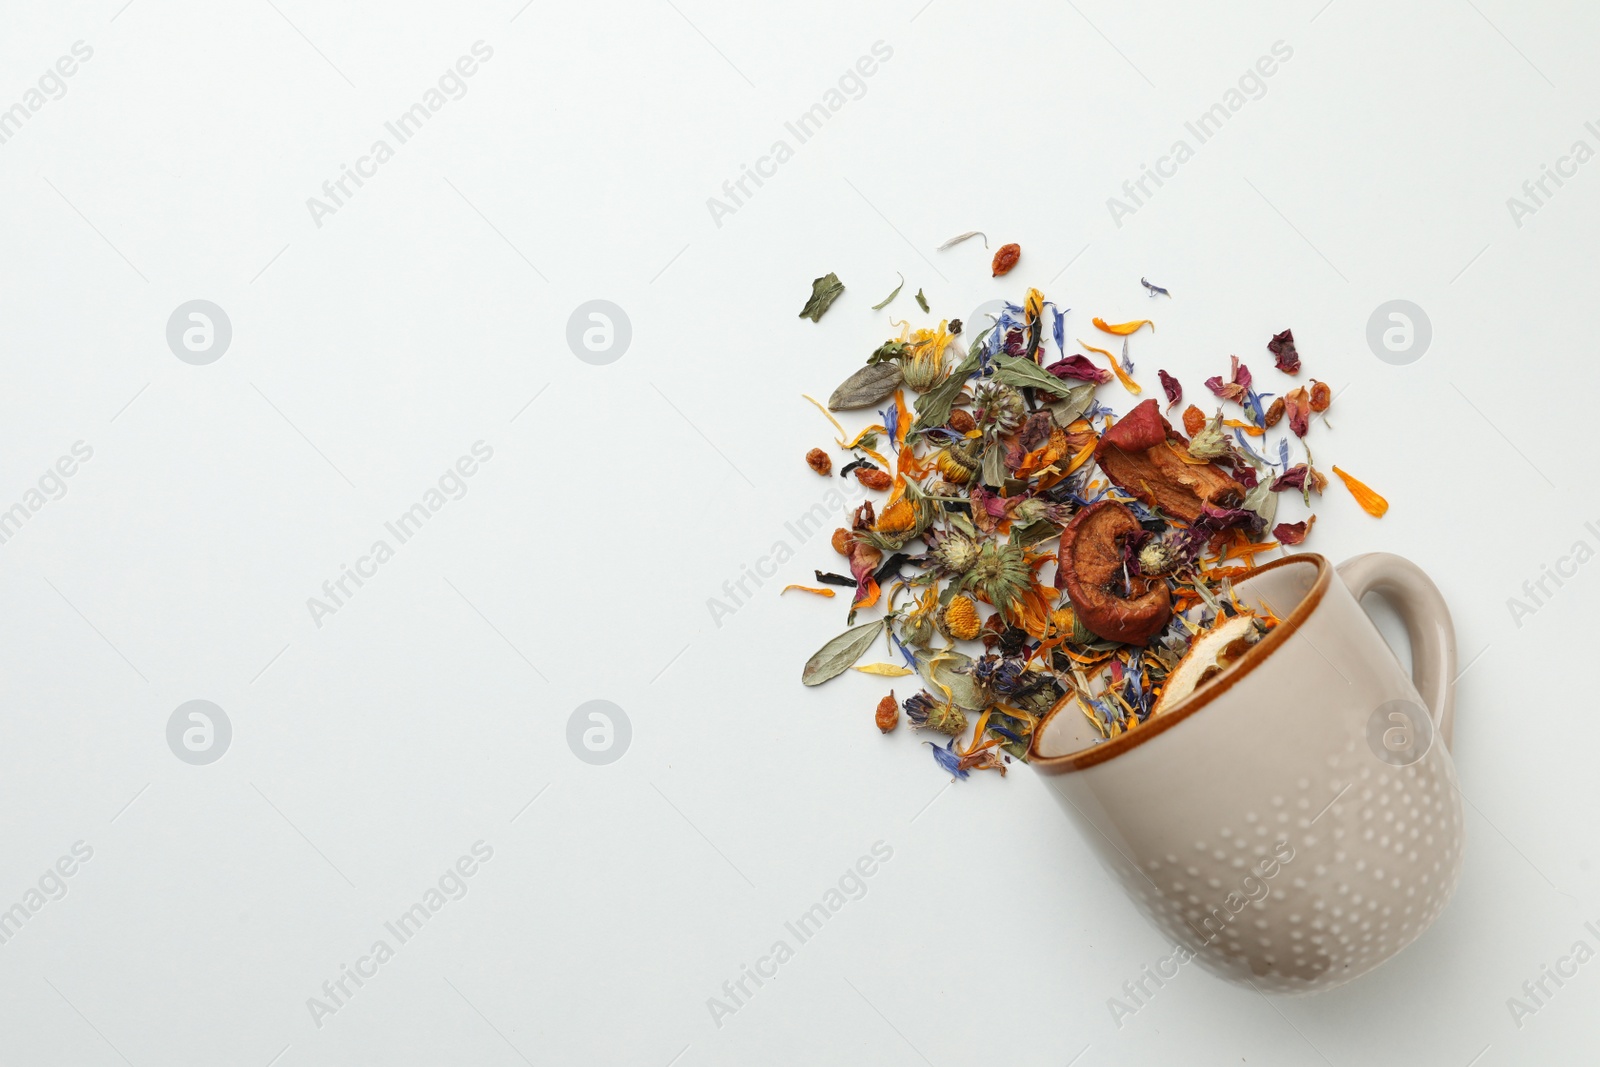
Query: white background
[368, 354]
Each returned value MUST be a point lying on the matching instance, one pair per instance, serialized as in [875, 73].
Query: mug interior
[1289, 588]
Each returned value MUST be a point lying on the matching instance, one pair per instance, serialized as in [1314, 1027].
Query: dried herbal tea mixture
[1033, 544]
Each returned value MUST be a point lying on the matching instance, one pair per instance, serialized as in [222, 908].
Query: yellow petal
[886, 670]
[1122, 329]
[818, 590]
[1127, 383]
[1370, 502]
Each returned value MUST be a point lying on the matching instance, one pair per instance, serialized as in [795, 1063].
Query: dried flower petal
[884, 670]
[1080, 368]
[1293, 533]
[1173, 389]
[1127, 383]
[1283, 351]
[1297, 404]
[1121, 329]
[1005, 258]
[818, 590]
[819, 461]
[1370, 502]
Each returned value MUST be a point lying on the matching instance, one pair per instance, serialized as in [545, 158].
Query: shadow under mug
[1295, 822]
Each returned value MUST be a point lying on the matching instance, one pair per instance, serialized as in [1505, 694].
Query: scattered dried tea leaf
[866, 387]
[818, 590]
[880, 305]
[1005, 259]
[824, 291]
[958, 238]
[1370, 502]
[839, 654]
[1154, 289]
[1283, 351]
[922, 302]
[819, 461]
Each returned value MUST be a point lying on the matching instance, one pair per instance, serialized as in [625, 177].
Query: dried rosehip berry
[961, 421]
[1006, 258]
[1321, 395]
[888, 716]
[1275, 412]
[874, 479]
[841, 541]
[818, 461]
[1194, 420]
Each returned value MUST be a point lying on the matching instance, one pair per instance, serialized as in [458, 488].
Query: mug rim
[1253, 657]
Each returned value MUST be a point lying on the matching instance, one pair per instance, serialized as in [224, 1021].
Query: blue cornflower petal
[946, 757]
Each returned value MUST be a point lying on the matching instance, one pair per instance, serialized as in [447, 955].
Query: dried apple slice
[1135, 455]
[1212, 652]
[1112, 602]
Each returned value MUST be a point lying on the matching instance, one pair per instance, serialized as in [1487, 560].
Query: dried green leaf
[880, 305]
[1014, 370]
[933, 407]
[943, 671]
[1072, 404]
[889, 350]
[837, 656]
[824, 291]
[922, 301]
[866, 387]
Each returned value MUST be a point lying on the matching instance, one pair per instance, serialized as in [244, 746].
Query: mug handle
[1428, 626]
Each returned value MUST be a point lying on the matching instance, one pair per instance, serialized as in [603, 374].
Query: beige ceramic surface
[1288, 823]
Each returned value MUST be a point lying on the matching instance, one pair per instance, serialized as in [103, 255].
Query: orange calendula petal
[1127, 383]
[1122, 329]
[819, 590]
[1370, 502]
[903, 422]
[1249, 428]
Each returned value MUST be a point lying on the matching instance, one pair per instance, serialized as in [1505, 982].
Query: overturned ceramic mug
[1295, 821]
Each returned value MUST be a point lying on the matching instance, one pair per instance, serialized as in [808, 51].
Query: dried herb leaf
[880, 305]
[837, 656]
[922, 301]
[1014, 370]
[948, 675]
[933, 407]
[958, 238]
[1072, 405]
[824, 291]
[866, 387]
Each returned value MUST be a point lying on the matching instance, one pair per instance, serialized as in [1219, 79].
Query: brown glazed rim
[1088, 757]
